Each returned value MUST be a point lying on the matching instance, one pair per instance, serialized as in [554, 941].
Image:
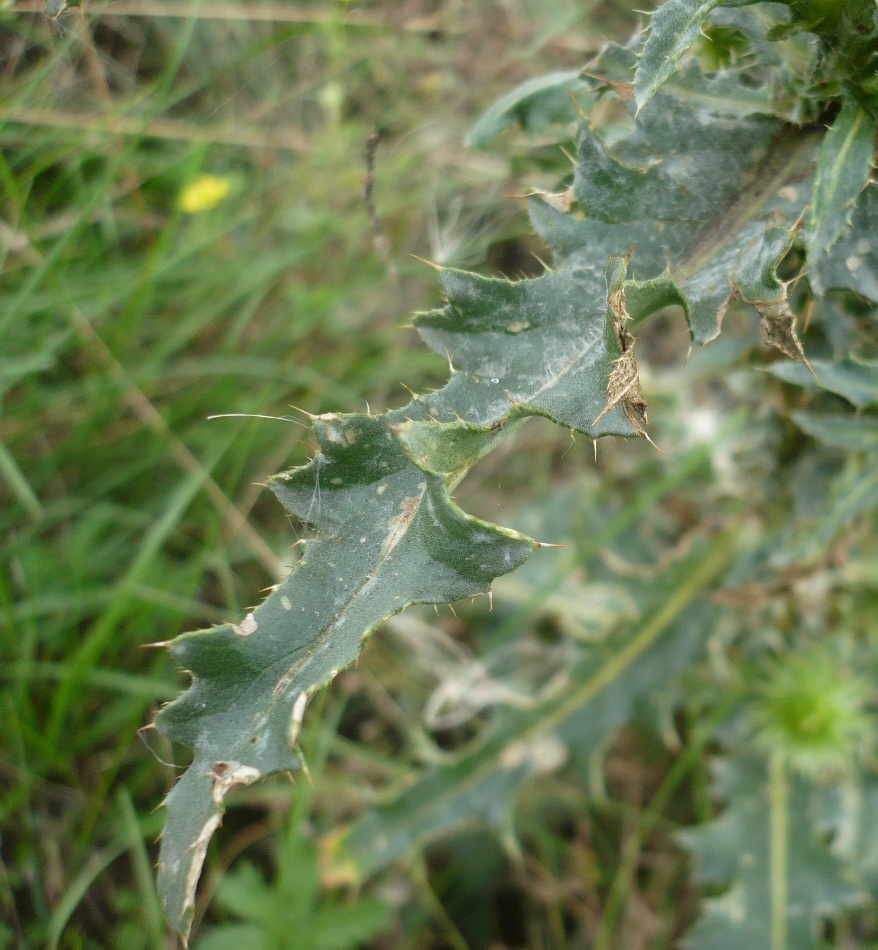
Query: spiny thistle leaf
[852, 261]
[535, 347]
[749, 89]
[699, 195]
[699, 189]
[674, 27]
[842, 173]
[390, 536]
[781, 878]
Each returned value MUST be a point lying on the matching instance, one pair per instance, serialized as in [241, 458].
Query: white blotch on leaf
[296, 717]
[199, 850]
[225, 775]
[247, 626]
[398, 526]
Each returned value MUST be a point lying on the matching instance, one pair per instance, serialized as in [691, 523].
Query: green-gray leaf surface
[852, 262]
[855, 380]
[693, 193]
[674, 27]
[854, 433]
[854, 818]
[842, 173]
[781, 879]
[389, 536]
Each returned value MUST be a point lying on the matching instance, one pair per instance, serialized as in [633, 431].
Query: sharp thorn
[432, 264]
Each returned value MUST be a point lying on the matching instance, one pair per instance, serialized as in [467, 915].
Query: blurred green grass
[127, 516]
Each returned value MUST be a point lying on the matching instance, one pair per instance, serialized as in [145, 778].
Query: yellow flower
[206, 192]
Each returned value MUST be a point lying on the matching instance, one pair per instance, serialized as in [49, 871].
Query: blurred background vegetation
[184, 235]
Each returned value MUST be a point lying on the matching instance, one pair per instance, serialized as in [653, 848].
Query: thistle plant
[747, 186]
[812, 714]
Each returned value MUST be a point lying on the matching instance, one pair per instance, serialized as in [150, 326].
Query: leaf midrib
[325, 634]
[787, 156]
[778, 796]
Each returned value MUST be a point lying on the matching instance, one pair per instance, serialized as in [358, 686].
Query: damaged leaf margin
[623, 387]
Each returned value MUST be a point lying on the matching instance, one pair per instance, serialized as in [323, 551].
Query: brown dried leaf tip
[564, 201]
[623, 387]
[779, 322]
[624, 90]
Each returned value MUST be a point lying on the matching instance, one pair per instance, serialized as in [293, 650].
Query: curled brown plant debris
[779, 322]
[623, 387]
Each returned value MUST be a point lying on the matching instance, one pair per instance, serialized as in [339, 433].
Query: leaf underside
[693, 195]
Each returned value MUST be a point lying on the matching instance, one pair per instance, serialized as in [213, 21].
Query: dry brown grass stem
[159, 128]
[255, 13]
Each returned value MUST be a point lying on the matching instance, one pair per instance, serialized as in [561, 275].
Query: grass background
[127, 517]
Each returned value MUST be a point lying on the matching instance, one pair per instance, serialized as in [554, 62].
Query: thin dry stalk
[238, 12]
[281, 139]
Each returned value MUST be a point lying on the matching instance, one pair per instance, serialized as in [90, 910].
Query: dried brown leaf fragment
[623, 386]
[779, 323]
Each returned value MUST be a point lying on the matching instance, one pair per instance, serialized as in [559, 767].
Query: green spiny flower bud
[811, 713]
